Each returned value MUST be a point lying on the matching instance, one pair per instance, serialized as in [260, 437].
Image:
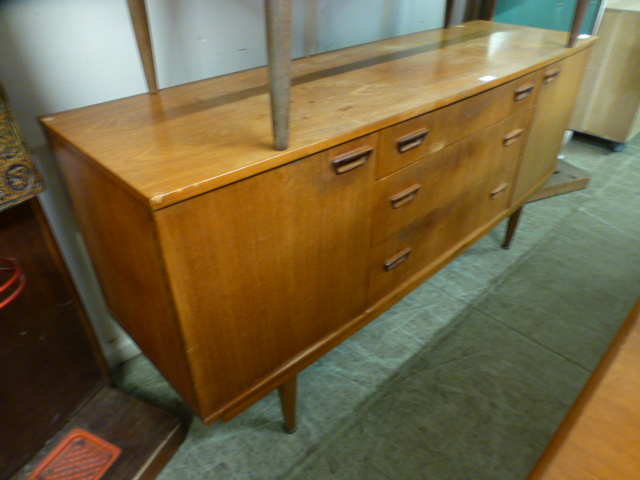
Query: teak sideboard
[235, 266]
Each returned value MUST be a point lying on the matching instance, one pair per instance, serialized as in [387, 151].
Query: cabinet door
[560, 86]
[264, 269]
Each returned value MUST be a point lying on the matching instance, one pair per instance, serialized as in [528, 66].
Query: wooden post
[578, 19]
[288, 394]
[511, 228]
[278, 13]
[138, 12]
[488, 9]
[448, 13]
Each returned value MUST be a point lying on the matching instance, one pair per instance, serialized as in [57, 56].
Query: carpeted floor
[466, 378]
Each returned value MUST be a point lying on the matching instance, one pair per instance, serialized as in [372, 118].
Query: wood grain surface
[190, 139]
[273, 265]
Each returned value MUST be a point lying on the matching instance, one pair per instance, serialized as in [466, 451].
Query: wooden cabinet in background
[235, 266]
[609, 102]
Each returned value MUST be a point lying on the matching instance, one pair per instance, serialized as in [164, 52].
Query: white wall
[56, 55]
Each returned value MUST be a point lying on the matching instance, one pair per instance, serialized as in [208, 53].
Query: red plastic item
[13, 286]
[80, 456]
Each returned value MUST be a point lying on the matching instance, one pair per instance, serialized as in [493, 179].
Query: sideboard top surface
[193, 138]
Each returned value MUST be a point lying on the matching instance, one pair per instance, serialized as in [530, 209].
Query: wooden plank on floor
[567, 178]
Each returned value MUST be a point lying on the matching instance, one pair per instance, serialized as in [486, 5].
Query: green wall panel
[551, 14]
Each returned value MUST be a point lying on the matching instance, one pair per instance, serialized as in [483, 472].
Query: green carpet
[469, 376]
[483, 400]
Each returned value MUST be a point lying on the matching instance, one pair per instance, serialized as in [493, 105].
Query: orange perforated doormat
[80, 456]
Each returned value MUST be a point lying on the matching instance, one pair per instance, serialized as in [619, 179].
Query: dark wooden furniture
[52, 373]
[235, 266]
[600, 436]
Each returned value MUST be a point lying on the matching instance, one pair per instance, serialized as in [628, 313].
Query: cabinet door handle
[397, 259]
[405, 196]
[552, 75]
[350, 160]
[500, 189]
[413, 140]
[513, 136]
[524, 92]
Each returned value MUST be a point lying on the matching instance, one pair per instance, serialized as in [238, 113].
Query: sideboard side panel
[120, 237]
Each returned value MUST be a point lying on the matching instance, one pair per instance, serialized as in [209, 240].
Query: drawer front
[407, 142]
[412, 193]
[439, 234]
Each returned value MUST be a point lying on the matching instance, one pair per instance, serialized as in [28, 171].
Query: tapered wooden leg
[288, 394]
[138, 12]
[511, 228]
[578, 20]
[278, 14]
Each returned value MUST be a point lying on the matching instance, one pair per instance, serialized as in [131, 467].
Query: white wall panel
[56, 55]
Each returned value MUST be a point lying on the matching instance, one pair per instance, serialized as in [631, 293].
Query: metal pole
[278, 14]
[578, 19]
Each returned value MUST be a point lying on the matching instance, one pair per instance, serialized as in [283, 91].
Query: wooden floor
[600, 438]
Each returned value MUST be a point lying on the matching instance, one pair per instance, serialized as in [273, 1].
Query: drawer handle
[413, 140]
[405, 196]
[354, 159]
[396, 260]
[502, 188]
[524, 92]
[552, 75]
[513, 136]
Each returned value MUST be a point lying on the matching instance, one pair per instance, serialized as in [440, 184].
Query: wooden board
[609, 103]
[566, 178]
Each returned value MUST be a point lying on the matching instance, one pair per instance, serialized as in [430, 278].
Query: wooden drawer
[415, 191]
[439, 234]
[407, 142]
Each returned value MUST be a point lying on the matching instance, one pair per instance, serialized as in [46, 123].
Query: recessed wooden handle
[405, 196]
[500, 189]
[551, 75]
[513, 136]
[413, 140]
[349, 161]
[524, 92]
[397, 259]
